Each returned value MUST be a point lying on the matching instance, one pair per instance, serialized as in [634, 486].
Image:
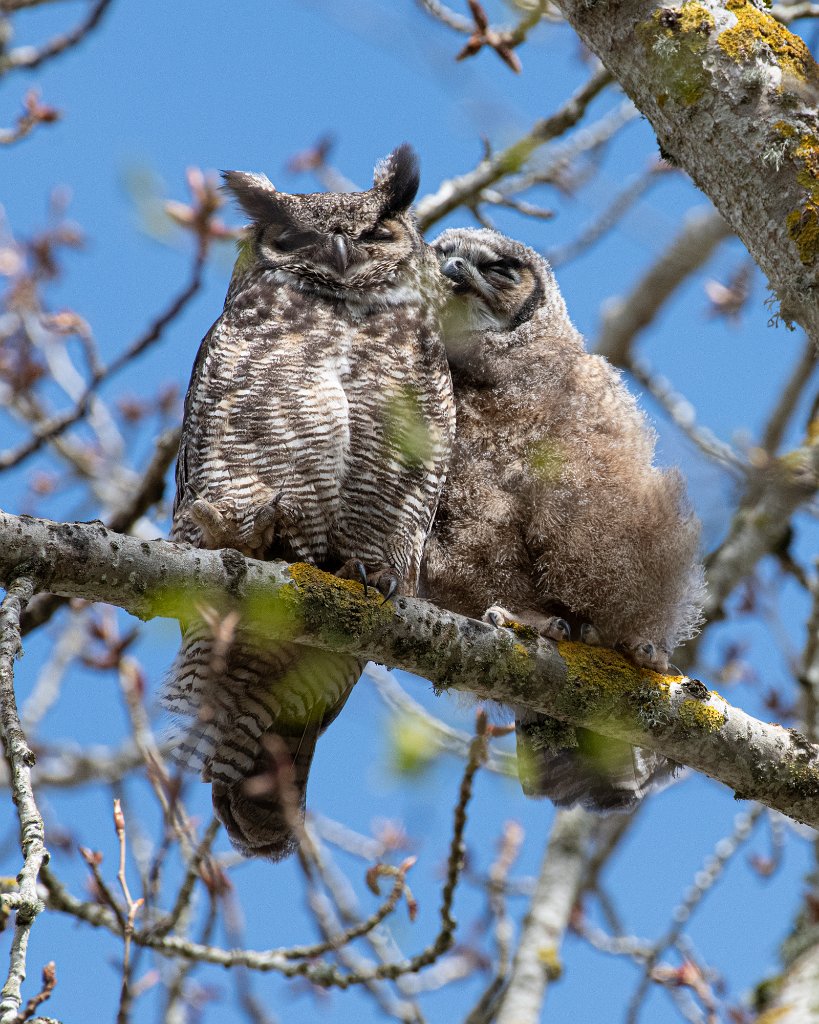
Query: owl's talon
[216, 532]
[361, 569]
[354, 569]
[265, 520]
[387, 584]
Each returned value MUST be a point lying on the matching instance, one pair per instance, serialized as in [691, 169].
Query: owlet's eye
[380, 233]
[504, 270]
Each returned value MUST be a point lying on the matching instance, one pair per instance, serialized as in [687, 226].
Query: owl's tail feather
[249, 714]
[262, 814]
[574, 766]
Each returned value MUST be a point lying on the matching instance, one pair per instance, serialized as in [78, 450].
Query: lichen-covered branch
[24, 900]
[731, 94]
[584, 685]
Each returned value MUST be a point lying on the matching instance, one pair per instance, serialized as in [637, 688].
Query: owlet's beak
[464, 277]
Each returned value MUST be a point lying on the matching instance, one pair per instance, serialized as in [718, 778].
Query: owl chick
[317, 427]
[553, 507]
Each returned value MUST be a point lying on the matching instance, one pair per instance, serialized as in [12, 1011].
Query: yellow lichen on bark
[678, 37]
[755, 29]
[695, 714]
[803, 222]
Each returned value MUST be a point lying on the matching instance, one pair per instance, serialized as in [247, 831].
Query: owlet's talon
[590, 636]
[559, 629]
[497, 616]
[645, 654]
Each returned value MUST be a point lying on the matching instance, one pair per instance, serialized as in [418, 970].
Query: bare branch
[29, 57]
[55, 426]
[624, 318]
[681, 413]
[34, 113]
[762, 523]
[713, 868]
[466, 189]
[750, 158]
[587, 686]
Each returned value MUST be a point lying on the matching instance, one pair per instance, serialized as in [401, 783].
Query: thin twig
[55, 426]
[466, 189]
[49, 983]
[712, 870]
[29, 57]
[789, 397]
[24, 900]
[680, 411]
[34, 113]
[451, 739]
[185, 893]
[132, 905]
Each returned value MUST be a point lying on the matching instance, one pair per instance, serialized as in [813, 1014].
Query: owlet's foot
[645, 654]
[551, 626]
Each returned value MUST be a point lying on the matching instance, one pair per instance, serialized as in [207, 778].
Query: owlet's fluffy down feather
[553, 508]
[317, 428]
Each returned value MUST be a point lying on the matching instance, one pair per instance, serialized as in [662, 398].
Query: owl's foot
[551, 626]
[217, 531]
[645, 654]
[385, 579]
[266, 521]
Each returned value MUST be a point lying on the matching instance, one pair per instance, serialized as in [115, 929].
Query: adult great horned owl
[318, 425]
[553, 507]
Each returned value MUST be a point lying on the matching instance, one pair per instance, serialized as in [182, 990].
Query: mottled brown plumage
[553, 508]
[318, 425]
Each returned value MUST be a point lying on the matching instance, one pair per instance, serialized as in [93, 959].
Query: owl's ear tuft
[398, 176]
[255, 194]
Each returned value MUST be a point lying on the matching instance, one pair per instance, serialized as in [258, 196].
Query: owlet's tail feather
[574, 766]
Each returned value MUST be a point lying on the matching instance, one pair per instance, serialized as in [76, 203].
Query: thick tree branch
[731, 95]
[588, 686]
[537, 960]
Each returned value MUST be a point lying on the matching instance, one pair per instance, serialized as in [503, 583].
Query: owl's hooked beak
[340, 253]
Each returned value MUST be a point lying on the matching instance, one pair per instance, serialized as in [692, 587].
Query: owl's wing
[183, 529]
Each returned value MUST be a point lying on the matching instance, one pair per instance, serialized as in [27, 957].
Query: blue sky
[164, 86]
